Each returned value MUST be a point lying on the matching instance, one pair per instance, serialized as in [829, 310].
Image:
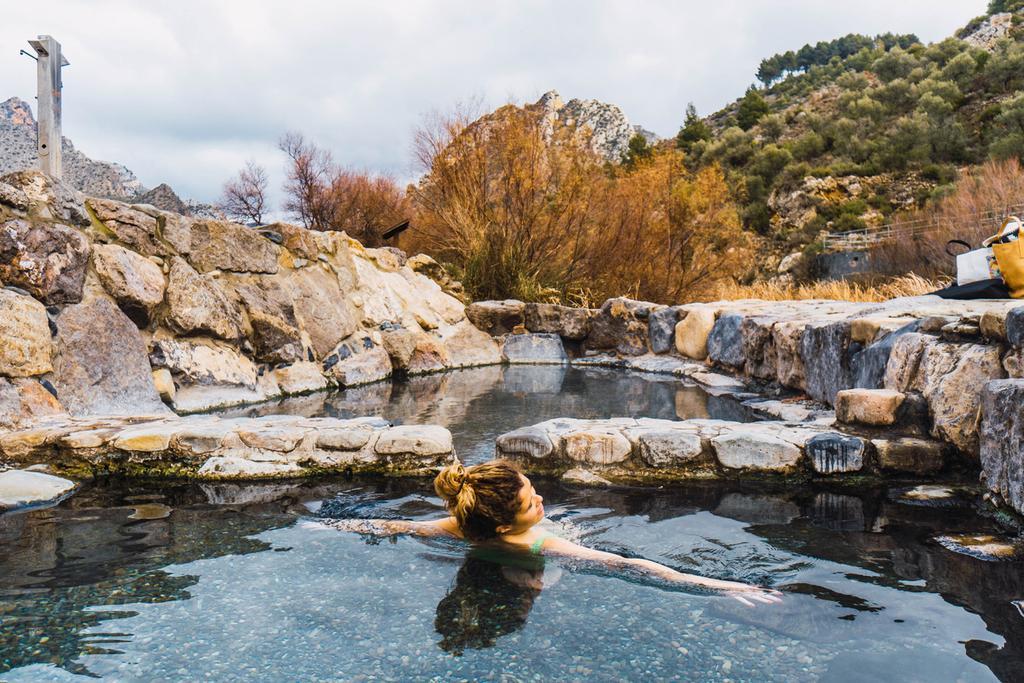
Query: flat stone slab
[624, 448]
[24, 488]
[211, 447]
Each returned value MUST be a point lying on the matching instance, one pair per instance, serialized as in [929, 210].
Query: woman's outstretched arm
[391, 527]
[743, 592]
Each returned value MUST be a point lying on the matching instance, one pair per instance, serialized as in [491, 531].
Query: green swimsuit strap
[537, 545]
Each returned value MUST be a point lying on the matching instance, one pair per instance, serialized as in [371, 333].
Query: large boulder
[691, 333]
[904, 360]
[24, 336]
[1002, 440]
[135, 282]
[47, 259]
[218, 245]
[197, 304]
[827, 350]
[298, 240]
[725, 342]
[100, 366]
[203, 362]
[44, 197]
[1014, 327]
[130, 226]
[672, 448]
[621, 326]
[496, 317]
[789, 365]
[761, 357]
[23, 400]
[358, 360]
[597, 446]
[273, 328]
[534, 348]
[467, 346]
[661, 329]
[321, 308]
[413, 350]
[567, 322]
[951, 377]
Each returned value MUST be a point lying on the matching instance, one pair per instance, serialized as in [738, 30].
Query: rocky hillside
[18, 152]
[94, 178]
[110, 308]
[847, 133]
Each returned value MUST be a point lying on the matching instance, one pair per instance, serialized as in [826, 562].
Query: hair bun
[450, 481]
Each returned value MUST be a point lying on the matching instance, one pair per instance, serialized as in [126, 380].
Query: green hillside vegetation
[886, 108]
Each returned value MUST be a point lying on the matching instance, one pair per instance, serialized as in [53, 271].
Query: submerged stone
[584, 477]
[983, 546]
[22, 488]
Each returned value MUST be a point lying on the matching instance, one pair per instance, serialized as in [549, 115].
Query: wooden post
[49, 62]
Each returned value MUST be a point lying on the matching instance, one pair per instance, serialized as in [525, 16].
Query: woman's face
[531, 508]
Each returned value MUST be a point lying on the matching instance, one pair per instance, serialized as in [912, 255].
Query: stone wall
[917, 367]
[649, 449]
[116, 309]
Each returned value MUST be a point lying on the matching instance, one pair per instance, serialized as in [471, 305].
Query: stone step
[211, 447]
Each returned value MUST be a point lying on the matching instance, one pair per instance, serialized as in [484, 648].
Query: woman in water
[494, 503]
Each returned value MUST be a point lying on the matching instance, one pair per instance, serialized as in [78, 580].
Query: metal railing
[851, 240]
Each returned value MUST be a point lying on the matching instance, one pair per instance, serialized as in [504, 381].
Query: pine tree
[693, 129]
[752, 109]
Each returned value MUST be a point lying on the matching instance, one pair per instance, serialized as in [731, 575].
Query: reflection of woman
[493, 503]
[489, 599]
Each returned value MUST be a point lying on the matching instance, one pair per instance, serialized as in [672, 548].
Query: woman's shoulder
[447, 525]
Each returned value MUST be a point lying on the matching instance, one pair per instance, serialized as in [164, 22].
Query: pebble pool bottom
[132, 581]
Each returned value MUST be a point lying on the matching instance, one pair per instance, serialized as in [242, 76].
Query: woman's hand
[748, 595]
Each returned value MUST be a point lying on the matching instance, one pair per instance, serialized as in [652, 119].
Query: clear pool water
[185, 582]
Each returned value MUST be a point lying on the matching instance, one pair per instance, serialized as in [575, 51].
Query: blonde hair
[480, 497]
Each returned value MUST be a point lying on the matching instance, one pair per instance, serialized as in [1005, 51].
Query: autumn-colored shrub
[520, 206]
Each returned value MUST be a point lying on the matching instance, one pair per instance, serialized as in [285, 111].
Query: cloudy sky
[186, 92]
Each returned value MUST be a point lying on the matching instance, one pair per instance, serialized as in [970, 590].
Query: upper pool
[177, 581]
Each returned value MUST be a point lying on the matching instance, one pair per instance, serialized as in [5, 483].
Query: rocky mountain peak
[610, 129]
[94, 178]
[17, 112]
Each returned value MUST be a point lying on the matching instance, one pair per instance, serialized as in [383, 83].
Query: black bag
[982, 289]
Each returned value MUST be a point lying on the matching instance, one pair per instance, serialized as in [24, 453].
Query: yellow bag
[1010, 258]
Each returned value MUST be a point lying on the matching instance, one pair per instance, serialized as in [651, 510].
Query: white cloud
[185, 92]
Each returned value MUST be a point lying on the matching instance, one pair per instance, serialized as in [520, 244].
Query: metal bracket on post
[49, 62]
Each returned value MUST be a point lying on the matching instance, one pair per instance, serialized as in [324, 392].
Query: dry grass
[840, 290]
